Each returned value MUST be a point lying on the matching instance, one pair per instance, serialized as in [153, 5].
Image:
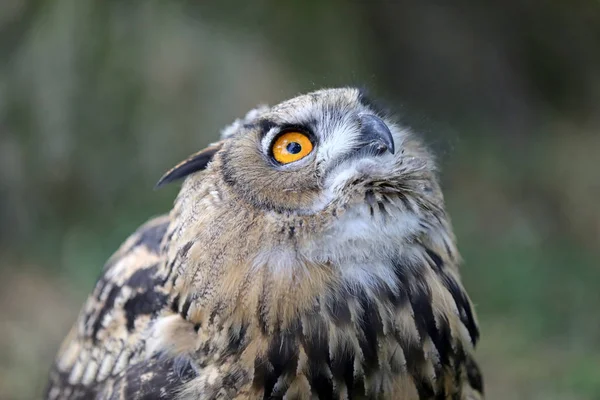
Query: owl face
[303, 154]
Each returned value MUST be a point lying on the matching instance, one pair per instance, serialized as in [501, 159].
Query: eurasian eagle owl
[308, 255]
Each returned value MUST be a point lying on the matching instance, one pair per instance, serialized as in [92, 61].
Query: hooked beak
[375, 136]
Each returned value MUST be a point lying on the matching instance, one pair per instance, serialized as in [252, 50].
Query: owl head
[328, 148]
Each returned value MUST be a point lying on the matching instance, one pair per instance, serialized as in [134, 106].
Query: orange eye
[291, 146]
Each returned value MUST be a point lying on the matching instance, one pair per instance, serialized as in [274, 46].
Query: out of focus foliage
[98, 98]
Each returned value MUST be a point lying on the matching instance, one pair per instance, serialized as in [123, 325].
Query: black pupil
[293, 148]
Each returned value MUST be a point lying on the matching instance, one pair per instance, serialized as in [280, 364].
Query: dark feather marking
[463, 305]
[263, 377]
[342, 368]
[322, 385]
[263, 310]
[146, 303]
[405, 202]
[175, 304]
[420, 297]
[398, 297]
[283, 356]
[437, 260]
[262, 317]
[236, 339]
[152, 236]
[339, 311]
[444, 341]
[227, 171]
[424, 225]
[474, 375]
[181, 254]
[460, 358]
[458, 294]
[385, 199]
[143, 278]
[123, 350]
[106, 308]
[170, 267]
[317, 350]
[370, 329]
[265, 126]
[186, 308]
[420, 300]
[402, 270]
[98, 290]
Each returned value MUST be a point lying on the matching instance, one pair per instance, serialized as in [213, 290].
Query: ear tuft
[194, 163]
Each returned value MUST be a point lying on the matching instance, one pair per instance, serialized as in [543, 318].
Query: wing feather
[109, 335]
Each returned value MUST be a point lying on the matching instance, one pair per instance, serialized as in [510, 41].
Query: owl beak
[375, 134]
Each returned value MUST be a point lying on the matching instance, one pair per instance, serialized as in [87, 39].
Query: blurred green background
[98, 98]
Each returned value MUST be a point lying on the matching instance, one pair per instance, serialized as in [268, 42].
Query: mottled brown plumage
[335, 276]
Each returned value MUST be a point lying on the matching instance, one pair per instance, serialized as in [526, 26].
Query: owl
[308, 255]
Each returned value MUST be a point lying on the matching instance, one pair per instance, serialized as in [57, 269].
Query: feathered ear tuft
[195, 162]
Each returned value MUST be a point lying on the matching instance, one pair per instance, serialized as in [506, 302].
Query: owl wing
[100, 355]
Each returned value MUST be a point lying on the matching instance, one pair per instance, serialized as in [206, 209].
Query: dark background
[99, 98]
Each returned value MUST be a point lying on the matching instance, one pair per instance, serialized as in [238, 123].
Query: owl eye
[291, 146]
